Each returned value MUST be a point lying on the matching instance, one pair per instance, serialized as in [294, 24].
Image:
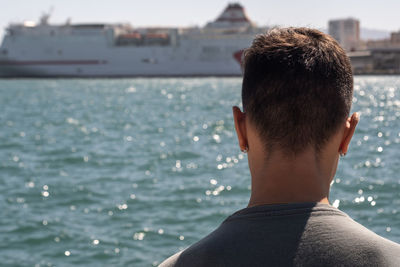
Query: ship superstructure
[90, 50]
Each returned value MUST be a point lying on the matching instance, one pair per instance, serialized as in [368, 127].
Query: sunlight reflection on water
[128, 171]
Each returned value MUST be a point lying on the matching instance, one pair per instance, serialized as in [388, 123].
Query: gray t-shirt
[301, 234]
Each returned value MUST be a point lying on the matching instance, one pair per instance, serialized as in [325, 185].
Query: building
[362, 62]
[380, 57]
[395, 37]
[346, 32]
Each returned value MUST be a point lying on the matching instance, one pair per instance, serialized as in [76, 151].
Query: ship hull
[83, 71]
[206, 57]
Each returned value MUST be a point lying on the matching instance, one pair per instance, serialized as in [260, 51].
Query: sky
[373, 14]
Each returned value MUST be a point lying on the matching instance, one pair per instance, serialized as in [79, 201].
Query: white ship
[113, 50]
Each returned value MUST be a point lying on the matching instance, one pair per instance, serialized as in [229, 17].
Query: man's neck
[282, 180]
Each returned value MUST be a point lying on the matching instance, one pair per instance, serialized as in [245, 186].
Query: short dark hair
[297, 88]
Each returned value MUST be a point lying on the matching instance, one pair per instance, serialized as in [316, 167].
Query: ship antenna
[44, 19]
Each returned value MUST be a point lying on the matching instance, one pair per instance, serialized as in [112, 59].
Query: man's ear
[349, 129]
[239, 118]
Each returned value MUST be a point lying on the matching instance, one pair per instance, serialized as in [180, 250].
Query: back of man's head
[297, 88]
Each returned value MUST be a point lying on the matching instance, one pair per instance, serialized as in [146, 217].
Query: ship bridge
[233, 17]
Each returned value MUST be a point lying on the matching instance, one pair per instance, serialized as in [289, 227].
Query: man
[297, 92]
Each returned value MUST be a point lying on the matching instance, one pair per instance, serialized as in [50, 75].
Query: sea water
[118, 172]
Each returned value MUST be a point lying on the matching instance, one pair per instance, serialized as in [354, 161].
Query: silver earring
[245, 150]
[342, 154]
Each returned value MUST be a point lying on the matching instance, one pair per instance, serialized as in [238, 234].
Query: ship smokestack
[234, 16]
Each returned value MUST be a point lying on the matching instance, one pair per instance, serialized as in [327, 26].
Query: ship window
[4, 51]
[149, 60]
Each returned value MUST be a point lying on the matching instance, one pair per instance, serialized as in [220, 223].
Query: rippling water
[128, 171]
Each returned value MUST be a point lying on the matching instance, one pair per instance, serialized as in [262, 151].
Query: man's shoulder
[206, 252]
[291, 236]
[341, 241]
[171, 261]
